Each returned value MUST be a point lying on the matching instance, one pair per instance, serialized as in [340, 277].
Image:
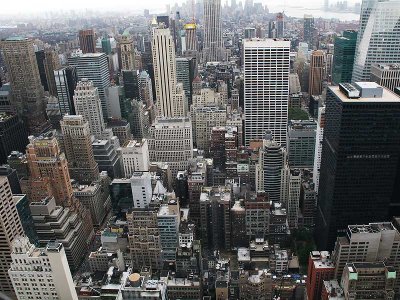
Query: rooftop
[387, 95]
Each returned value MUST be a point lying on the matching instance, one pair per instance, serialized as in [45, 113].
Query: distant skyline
[155, 6]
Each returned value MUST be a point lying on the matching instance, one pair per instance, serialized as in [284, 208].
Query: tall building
[320, 269]
[378, 39]
[183, 68]
[66, 80]
[171, 141]
[165, 74]
[168, 219]
[64, 224]
[317, 72]
[13, 135]
[318, 147]
[265, 102]
[359, 157]
[364, 280]
[145, 89]
[106, 45]
[135, 157]
[190, 36]
[375, 242]
[51, 63]
[280, 25]
[41, 273]
[290, 194]
[10, 228]
[94, 67]
[106, 156]
[78, 149]
[301, 143]
[387, 75]
[87, 104]
[26, 87]
[343, 56]
[144, 238]
[308, 30]
[215, 217]
[204, 120]
[87, 41]
[269, 169]
[48, 167]
[40, 60]
[213, 48]
[126, 53]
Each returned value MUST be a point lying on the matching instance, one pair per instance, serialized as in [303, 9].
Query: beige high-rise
[317, 72]
[165, 74]
[27, 90]
[10, 227]
[78, 149]
[49, 175]
[126, 53]
[213, 47]
[87, 104]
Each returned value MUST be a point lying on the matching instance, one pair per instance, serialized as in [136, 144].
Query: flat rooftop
[266, 43]
[388, 96]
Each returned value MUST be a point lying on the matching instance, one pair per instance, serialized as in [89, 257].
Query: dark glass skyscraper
[343, 57]
[360, 152]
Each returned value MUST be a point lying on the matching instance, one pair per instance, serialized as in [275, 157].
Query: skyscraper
[308, 30]
[317, 72]
[269, 169]
[190, 36]
[126, 53]
[360, 153]
[51, 63]
[10, 227]
[66, 80]
[378, 39]
[213, 47]
[13, 135]
[343, 56]
[27, 90]
[52, 280]
[78, 149]
[266, 101]
[94, 67]
[280, 25]
[165, 74]
[49, 175]
[318, 147]
[387, 75]
[171, 141]
[87, 103]
[87, 41]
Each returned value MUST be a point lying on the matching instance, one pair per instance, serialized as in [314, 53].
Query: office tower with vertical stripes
[164, 61]
[317, 73]
[10, 228]
[266, 88]
[87, 41]
[378, 39]
[213, 46]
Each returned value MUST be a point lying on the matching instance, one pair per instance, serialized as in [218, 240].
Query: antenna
[193, 12]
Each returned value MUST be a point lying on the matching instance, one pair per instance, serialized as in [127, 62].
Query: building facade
[265, 101]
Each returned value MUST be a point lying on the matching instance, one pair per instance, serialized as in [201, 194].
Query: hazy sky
[156, 6]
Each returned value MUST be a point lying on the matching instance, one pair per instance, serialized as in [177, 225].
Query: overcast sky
[156, 6]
